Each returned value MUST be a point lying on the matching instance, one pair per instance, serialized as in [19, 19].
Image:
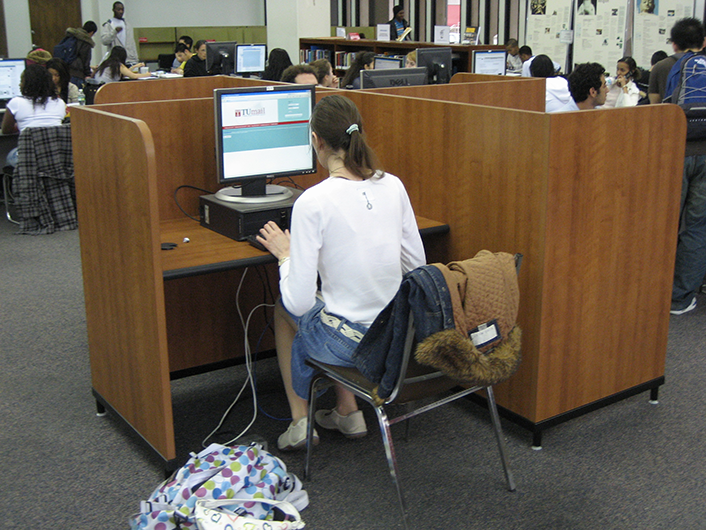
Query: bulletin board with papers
[600, 32]
[546, 19]
[652, 25]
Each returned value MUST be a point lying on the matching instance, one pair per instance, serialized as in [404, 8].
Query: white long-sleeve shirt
[360, 237]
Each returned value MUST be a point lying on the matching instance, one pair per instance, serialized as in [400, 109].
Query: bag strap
[216, 521]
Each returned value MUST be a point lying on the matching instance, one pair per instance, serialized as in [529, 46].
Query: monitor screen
[220, 57]
[393, 78]
[250, 58]
[382, 62]
[262, 132]
[437, 61]
[491, 62]
[10, 74]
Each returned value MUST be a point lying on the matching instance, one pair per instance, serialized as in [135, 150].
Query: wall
[288, 20]
[140, 13]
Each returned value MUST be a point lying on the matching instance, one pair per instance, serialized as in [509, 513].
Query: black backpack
[67, 49]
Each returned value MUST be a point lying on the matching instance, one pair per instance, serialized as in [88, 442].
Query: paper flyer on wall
[599, 31]
[546, 19]
[653, 22]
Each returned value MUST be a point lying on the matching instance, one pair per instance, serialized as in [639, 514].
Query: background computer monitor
[491, 62]
[437, 61]
[382, 62]
[393, 78]
[250, 59]
[10, 74]
[261, 133]
[220, 57]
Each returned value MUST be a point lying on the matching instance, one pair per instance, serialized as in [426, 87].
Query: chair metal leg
[391, 460]
[495, 417]
[310, 423]
[7, 194]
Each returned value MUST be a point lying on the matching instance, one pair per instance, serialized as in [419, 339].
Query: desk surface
[208, 251]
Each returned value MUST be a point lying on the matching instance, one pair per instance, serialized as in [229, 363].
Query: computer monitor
[250, 59]
[10, 74]
[437, 61]
[491, 62]
[393, 78]
[262, 132]
[220, 57]
[383, 62]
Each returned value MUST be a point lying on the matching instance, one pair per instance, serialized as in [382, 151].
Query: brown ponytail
[338, 123]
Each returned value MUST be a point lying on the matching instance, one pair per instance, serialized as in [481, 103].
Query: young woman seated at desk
[357, 231]
[114, 68]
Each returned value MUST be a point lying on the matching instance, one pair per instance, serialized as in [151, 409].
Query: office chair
[43, 189]
[415, 382]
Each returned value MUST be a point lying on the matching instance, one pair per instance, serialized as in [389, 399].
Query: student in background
[557, 88]
[362, 61]
[38, 106]
[514, 63]
[114, 68]
[324, 73]
[59, 72]
[301, 74]
[177, 65]
[278, 62]
[623, 91]
[355, 230]
[196, 65]
[182, 53]
[410, 60]
[80, 68]
[398, 24]
[117, 32]
[38, 56]
[587, 86]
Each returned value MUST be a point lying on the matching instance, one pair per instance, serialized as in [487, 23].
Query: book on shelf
[471, 35]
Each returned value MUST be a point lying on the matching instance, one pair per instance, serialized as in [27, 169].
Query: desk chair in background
[42, 185]
[414, 383]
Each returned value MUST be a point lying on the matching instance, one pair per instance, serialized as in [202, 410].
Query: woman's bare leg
[285, 329]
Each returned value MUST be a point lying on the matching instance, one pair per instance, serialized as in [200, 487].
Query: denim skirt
[325, 337]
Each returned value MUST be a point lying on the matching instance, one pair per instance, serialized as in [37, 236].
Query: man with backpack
[687, 37]
[76, 49]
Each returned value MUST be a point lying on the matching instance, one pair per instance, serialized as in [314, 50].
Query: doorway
[49, 20]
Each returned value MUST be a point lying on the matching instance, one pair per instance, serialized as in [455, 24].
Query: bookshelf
[339, 51]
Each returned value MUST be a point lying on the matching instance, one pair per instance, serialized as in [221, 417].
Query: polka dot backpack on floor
[240, 487]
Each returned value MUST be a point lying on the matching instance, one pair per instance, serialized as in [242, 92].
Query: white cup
[144, 69]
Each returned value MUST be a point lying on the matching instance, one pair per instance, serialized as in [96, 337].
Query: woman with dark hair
[196, 65]
[623, 91]
[114, 67]
[278, 62]
[557, 88]
[38, 106]
[355, 230]
[59, 71]
[362, 61]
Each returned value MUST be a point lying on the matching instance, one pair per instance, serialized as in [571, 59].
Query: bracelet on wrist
[282, 261]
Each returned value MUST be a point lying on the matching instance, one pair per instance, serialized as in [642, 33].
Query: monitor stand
[273, 193]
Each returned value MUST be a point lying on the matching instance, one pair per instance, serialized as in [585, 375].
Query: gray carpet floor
[631, 465]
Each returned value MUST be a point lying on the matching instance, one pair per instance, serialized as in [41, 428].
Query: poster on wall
[546, 19]
[600, 27]
[652, 25]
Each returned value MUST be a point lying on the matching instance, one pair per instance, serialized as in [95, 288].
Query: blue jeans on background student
[690, 264]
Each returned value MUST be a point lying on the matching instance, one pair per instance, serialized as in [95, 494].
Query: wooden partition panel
[164, 89]
[467, 77]
[598, 242]
[122, 270]
[525, 94]
[609, 268]
[463, 176]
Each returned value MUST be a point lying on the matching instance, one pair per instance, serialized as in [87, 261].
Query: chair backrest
[416, 380]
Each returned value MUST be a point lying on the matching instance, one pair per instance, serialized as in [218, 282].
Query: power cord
[179, 205]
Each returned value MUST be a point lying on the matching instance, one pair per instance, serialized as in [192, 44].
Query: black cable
[179, 205]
